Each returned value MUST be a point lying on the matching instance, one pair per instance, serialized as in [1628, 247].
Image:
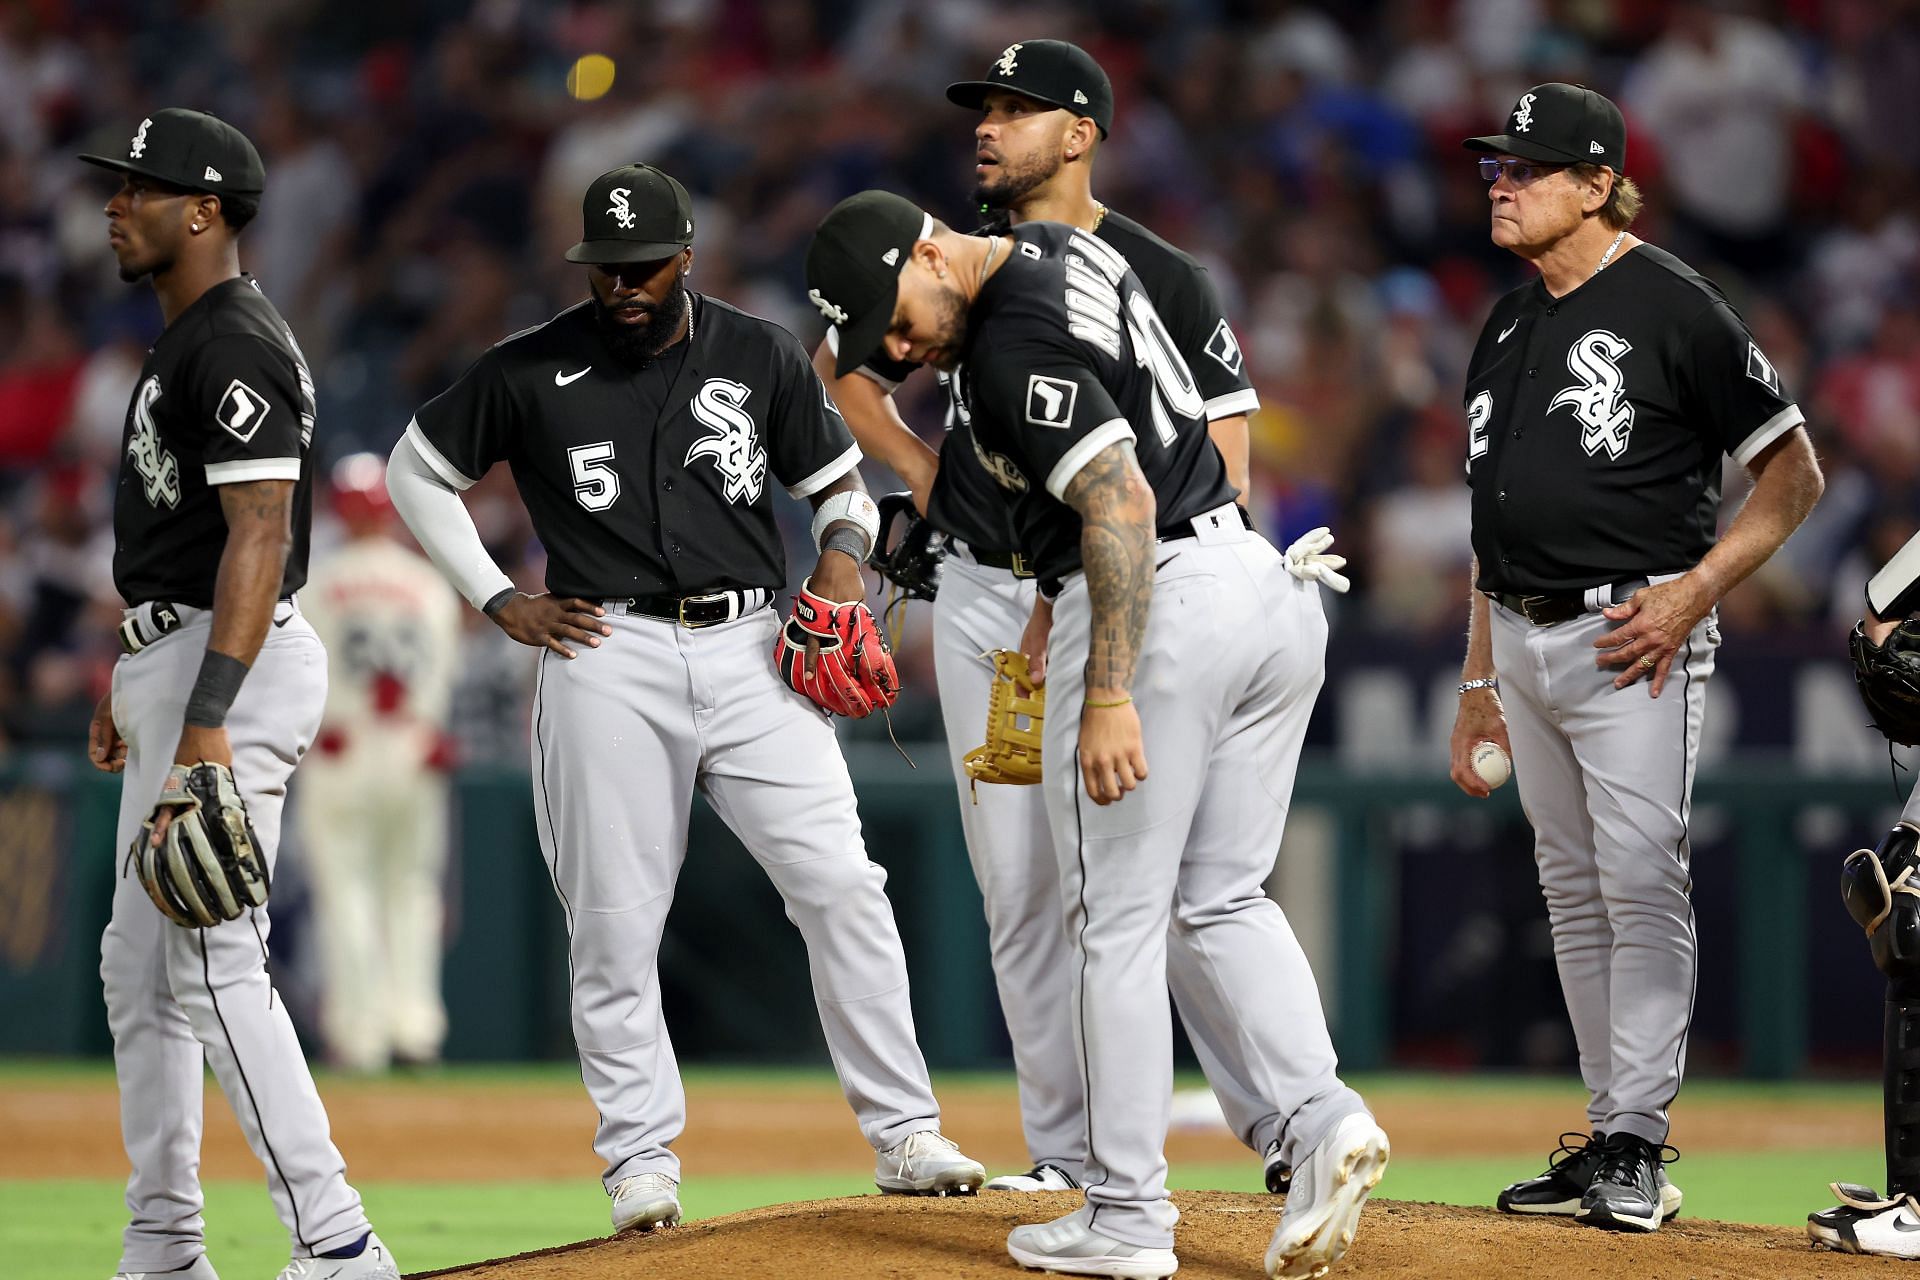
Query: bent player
[1600, 402]
[1059, 355]
[646, 429]
[217, 697]
[1877, 886]
[373, 798]
[1044, 107]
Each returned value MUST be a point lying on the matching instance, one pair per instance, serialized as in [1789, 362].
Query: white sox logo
[834, 315]
[139, 147]
[621, 213]
[1600, 401]
[1523, 114]
[1008, 60]
[736, 453]
[158, 469]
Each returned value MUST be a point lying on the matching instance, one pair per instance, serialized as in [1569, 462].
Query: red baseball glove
[852, 672]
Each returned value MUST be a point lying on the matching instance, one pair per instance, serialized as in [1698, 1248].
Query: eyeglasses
[1520, 171]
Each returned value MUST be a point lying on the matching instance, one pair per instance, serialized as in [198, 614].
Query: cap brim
[1525, 148]
[600, 252]
[860, 341]
[127, 166]
[973, 95]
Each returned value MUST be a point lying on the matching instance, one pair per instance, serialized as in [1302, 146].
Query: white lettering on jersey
[621, 213]
[1599, 402]
[1225, 348]
[1761, 369]
[596, 486]
[1093, 306]
[241, 410]
[1479, 413]
[159, 470]
[1050, 400]
[733, 446]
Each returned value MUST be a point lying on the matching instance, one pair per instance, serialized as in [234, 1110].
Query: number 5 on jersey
[595, 484]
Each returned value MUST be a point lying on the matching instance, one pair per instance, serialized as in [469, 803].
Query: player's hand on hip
[1657, 621]
[548, 622]
[105, 747]
[1113, 754]
[1480, 719]
[1033, 641]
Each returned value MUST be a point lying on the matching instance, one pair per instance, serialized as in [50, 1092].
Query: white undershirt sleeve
[441, 523]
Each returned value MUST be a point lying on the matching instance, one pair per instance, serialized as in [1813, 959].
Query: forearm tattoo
[1116, 548]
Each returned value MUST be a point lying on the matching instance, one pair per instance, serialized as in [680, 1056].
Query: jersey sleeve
[809, 444]
[1061, 414]
[1197, 323]
[1730, 388]
[464, 430]
[247, 398]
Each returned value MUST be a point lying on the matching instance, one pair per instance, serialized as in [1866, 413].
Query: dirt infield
[1221, 1236]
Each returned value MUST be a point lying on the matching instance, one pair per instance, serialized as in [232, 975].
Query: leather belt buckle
[1017, 565]
[1528, 605]
[727, 598]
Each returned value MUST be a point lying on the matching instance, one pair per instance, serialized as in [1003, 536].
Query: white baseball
[1492, 764]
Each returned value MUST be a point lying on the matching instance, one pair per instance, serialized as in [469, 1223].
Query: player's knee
[1878, 888]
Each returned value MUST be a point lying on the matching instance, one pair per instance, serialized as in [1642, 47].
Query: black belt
[1012, 561]
[1550, 608]
[694, 612]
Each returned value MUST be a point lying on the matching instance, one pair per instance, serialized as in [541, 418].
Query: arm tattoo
[1116, 547]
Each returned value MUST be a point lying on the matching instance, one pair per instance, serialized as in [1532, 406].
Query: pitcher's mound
[1222, 1236]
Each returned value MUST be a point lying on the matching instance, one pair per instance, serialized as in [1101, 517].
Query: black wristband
[215, 689]
[499, 601]
[847, 541]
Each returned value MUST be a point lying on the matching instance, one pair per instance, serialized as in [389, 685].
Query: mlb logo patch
[241, 411]
[1761, 369]
[1225, 348]
[1050, 400]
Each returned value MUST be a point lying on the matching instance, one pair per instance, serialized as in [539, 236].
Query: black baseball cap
[634, 213]
[1562, 124]
[192, 150]
[1051, 71]
[853, 269]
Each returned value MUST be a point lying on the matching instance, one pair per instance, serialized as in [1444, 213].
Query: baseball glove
[209, 867]
[912, 562]
[853, 672]
[1889, 679]
[1016, 712]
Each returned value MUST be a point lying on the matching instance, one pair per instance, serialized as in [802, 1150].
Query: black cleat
[1569, 1173]
[1627, 1194]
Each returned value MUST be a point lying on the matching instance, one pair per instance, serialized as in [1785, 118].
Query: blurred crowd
[426, 161]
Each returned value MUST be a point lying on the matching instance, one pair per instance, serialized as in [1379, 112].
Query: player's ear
[1599, 187]
[1081, 137]
[686, 261]
[931, 257]
[205, 213]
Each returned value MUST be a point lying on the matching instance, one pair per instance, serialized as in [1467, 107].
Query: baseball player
[645, 428]
[1877, 887]
[1058, 354]
[223, 678]
[1600, 401]
[373, 797]
[1044, 107]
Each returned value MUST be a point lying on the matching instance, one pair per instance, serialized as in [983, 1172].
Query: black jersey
[1064, 357]
[653, 481]
[965, 501]
[224, 398]
[1597, 423]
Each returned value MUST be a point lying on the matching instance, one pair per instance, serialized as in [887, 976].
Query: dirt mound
[1221, 1235]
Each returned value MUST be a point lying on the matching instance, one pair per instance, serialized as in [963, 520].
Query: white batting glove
[1308, 561]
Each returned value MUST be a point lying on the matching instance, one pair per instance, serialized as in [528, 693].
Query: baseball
[1492, 764]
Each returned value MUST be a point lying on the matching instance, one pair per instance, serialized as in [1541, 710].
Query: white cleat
[646, 1201]
[1329, 1189]
[198, 1269]
[372, 1263]
[1866, 1222]
[927, 1164]
[1042, 1177]
[1068, 1246]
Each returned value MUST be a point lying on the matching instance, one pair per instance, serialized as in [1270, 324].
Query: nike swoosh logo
[562, 379]
[1901, 1226]
[1509, 329]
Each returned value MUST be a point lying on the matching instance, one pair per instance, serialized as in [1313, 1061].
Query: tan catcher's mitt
[209, 867]
[1016, 712]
